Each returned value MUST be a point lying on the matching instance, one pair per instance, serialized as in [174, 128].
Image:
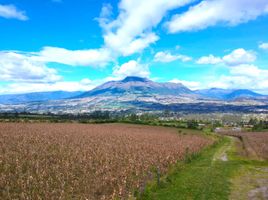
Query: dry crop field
[80, 161]
[255, 143]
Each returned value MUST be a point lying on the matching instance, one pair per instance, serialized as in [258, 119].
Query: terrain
[126, 161]
[82, 161]
[36, 97]
[226, 171]
[136, 94]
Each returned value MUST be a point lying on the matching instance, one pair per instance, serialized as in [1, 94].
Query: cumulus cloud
[239, 56]
[209, 13]
[128, 47]
[209, 60]
[263, 46]
[10, 11]
[166, 57]
[236, 57]
[91, 57]
[249, 71]
[21, 68]
[131, 31]
[242, 73]
[131, 68]
[244, 76]
[193, 85]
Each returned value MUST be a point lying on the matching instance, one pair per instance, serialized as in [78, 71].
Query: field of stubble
[80, 161]
[255, 144]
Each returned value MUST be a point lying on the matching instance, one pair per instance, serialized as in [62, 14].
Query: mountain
[214, 93]
[136, 94]
[138, 86]
[237, 94]
[228, 94]
[36, 97]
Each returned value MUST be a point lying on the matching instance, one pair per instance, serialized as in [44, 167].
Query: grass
[207, 176]
[199, 179]
[251, 176]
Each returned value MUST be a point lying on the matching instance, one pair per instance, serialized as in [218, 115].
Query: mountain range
[137, 85]
[228, 94]
[36, 96]
[134, 93]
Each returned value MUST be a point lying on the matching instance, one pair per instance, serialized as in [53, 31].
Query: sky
[50, 45]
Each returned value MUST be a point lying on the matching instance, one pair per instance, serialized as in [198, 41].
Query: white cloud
[243, 76]
[217, 12]
[209, 60]
[21, 67]
[91, 57]
[242, 73]
[10, 11]
[16, 88]
[129, 47]
[236, 57]
[86, 81]
[131, 68]
[18, 67]
[239, 56]
[249, 71]
[131, 31]
[263, 46]
[193, 85]
[166, 57]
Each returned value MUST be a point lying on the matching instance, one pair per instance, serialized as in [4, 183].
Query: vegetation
[259, 125]
[201, 179]
[255, 144]
[166, 118]
[82, 161]
[223, 171]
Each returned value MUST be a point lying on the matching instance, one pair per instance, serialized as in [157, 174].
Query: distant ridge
[137, 85]
[228, 94]
[133, 87]
[36, 96]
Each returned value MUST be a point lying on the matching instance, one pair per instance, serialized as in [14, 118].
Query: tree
[192, 124]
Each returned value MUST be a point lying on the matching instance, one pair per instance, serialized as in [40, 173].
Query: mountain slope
[36, 96]
[137, 85]
[214, 93]
[135, 90]
[237, 94]
[228, 94]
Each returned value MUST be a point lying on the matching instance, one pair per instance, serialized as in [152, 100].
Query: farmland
[253, 144]
[227, 170]
[87, 161]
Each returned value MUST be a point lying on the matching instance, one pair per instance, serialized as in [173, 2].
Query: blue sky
[76, 45]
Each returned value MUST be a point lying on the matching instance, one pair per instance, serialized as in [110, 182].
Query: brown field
[79, 161]
[255, 144]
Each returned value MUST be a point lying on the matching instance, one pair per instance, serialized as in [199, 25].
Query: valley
[135, 94]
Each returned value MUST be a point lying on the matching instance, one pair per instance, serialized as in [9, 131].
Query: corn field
[84, 161]
[254, 143]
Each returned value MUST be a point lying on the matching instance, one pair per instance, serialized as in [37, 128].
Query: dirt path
[251, 181]
[221, 154]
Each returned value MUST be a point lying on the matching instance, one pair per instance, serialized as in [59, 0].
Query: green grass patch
[201, 178]
[207, 176]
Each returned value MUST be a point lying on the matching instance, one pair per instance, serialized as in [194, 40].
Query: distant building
[237, 129]
[201, 125]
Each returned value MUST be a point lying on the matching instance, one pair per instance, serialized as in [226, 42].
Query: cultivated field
[79, 161]
[255, 144]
